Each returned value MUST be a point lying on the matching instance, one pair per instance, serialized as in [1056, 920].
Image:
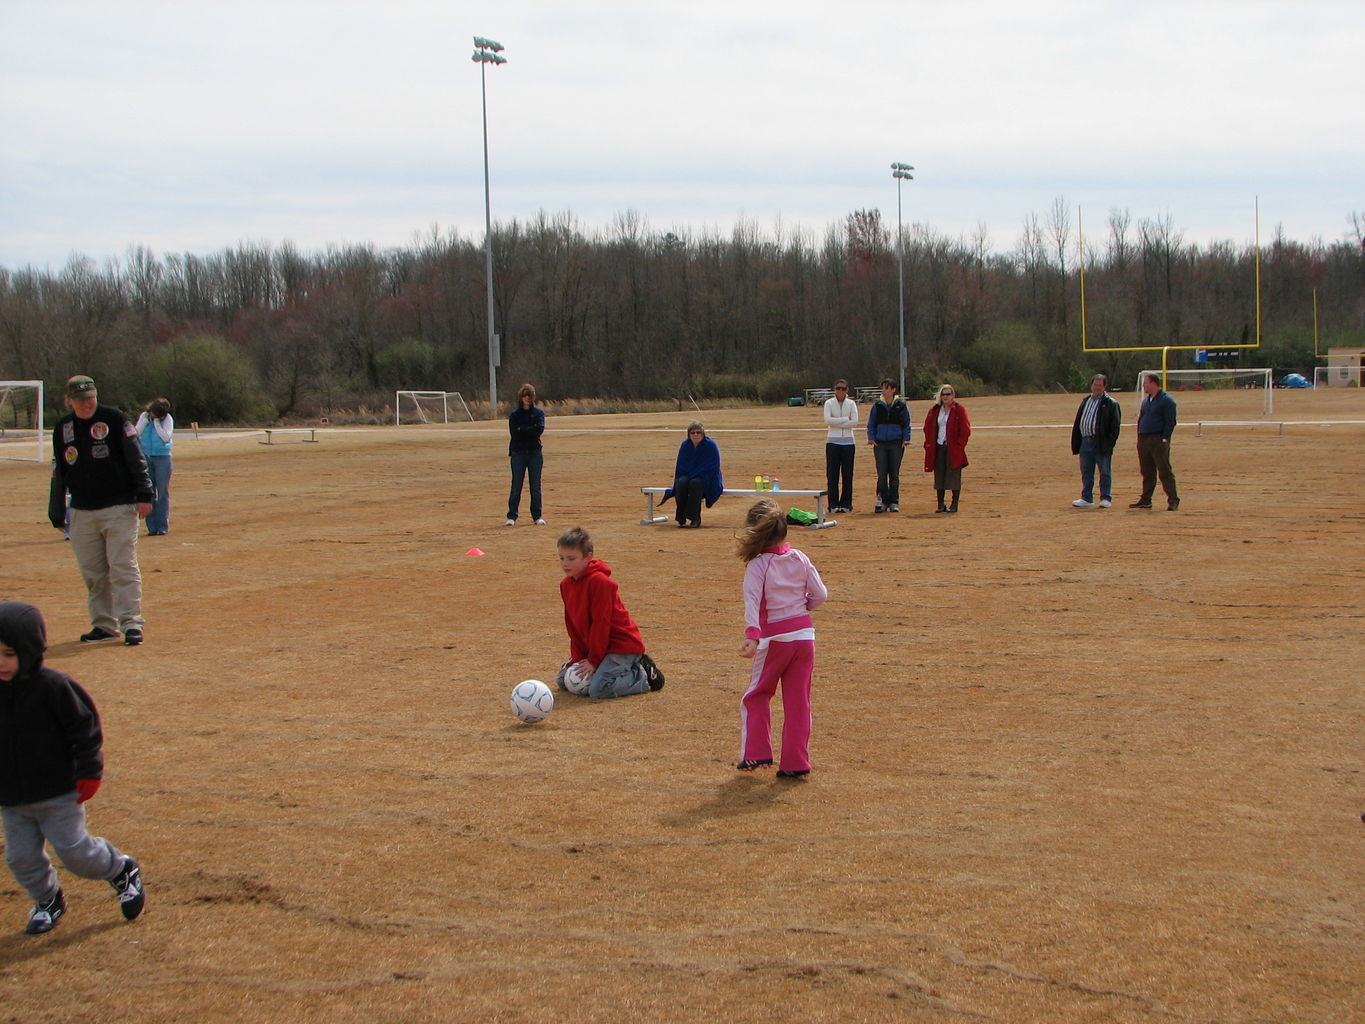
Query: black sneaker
[132, 637]
[800, 773]
[1141, 504]
[43, 917]
[652, 673]
[128, 884]
[750, 765]
[96, 635]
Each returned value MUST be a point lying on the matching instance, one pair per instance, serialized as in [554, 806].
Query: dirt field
[1070, 765]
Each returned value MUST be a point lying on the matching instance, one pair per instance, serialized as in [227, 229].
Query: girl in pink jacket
[781, 588]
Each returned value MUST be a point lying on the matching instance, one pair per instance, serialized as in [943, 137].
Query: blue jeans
[160, 468]
[523, 463]
[619, 675]
[1091, 459]
[888, 455]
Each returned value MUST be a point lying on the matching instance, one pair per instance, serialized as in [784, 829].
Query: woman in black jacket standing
[525, 424]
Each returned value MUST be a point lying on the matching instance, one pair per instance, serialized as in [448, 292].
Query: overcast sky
[192, 125]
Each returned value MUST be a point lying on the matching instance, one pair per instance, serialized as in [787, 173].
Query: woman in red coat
[946, 430]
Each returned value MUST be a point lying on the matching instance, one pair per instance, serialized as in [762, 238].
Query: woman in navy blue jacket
[525, 424]
[696, 476]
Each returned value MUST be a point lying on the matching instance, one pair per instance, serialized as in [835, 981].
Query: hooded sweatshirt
[50, 732]
[597, 621]
[781, 589]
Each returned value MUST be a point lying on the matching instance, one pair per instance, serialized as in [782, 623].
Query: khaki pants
[104, 541]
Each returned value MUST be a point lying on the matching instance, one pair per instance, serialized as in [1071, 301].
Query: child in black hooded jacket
[50, 764]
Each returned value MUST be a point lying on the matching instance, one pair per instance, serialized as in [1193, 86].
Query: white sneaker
[1082, 503]
[510, 522]
[1105, 503]
[540, 522]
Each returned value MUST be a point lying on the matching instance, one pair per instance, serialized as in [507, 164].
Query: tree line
[262, 332]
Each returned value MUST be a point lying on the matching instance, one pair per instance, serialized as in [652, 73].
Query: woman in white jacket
[841, 416]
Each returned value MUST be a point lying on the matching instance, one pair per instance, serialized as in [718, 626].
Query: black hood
[21, 627]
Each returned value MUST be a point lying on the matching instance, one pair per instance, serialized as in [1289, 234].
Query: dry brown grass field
[1070, 765]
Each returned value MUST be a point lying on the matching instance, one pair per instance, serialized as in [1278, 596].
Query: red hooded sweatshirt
[597, 621]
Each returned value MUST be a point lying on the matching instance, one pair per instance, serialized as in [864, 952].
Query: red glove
[85, 789]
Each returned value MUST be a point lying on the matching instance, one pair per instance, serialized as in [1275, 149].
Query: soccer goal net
[1347, 376]
[21, 420]
[428, 407]
[1258, 378]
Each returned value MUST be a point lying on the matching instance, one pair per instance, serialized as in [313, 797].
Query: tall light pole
[901, 172]
[488, 51]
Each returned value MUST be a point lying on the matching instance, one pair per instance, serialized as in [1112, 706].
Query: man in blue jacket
[1156, 423]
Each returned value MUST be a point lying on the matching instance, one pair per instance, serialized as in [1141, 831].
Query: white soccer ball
[576, 678]
[532, 701]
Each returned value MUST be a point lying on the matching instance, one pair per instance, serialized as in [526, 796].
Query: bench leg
[821, 522]
[650, 518]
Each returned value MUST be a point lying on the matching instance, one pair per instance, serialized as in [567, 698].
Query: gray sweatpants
[61, 822]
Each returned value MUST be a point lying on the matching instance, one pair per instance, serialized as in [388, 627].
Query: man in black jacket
[97, 457]
[1093, 437]
[50, 764]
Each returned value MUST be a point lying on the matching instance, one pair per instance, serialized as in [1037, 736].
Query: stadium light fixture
[901, 172]
[488, 51]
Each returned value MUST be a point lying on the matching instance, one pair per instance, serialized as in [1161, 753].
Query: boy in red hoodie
[606, 655]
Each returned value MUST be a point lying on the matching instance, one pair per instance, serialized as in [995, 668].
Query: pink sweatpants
[790, 662]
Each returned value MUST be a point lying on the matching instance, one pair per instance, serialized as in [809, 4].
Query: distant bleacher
[819, 396]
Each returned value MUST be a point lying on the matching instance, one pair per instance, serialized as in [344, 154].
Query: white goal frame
[1341, 375]
[7, 434]
[447, 400]
[1265, 379]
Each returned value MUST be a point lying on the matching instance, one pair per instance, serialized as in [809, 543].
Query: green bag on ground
[800, 517]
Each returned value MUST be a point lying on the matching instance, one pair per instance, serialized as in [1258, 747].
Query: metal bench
[863, 396]
[270, 432]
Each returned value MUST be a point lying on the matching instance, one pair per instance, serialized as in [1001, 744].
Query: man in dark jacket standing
[1156, 423]
[98, 459]
[1093, 437]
